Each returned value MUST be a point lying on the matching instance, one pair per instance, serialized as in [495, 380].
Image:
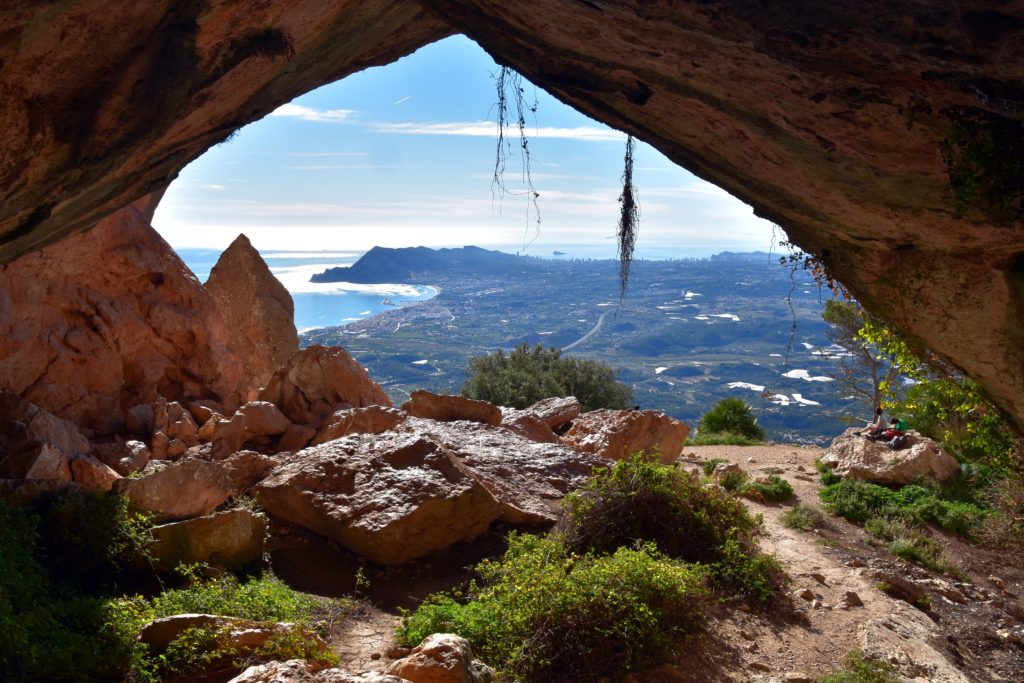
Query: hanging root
[629, 218]
[506, 79]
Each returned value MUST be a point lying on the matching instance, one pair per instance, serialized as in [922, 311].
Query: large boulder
[301, 671]
[245, 469]
[856, 457]
[539, 421]
[618, 434]
[92, 474]
[389, 497]
[109, 319]
[259, 311]
[35, 444]
[368, 420]
[319, 380]
[442, 658]
[447, 408]
[180, 490]
[231, 539]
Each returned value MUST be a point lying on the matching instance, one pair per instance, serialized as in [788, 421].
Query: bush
[712, 464]
[544, 614]
[775, 490]
[637, 500]
[721, 439]
[731, 415]
[803, 517]
[861, 669]
[526, 376]
[911, 544]
[746, 575]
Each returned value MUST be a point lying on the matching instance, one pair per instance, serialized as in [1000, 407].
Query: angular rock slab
[902, 639]
[442, 658]
[189, 488]
[855, 457]
[231, 539]
[618, 434]
[448, 408]
[368, 420]
[388, 497]
[301, 671]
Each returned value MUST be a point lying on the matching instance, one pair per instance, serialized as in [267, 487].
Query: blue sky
[403, 155]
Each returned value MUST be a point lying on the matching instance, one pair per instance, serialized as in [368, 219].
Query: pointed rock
[618, 434]
[257, 309]
[447, 408]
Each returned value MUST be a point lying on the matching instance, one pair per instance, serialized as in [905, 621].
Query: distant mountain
[383, 265]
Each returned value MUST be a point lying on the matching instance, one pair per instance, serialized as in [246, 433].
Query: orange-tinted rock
[529, 427]
[91, 474]
[852, 456]
[189, 488]
[442, 658]
[368, 420]
[319, 380]
[245, 469]
[618, 434]
[106, 320]
[556, 411]
[203, 409]
[263, 419]
[257, 309]
[389, 497]
[296, 438]
[447, 408]
[35, 444]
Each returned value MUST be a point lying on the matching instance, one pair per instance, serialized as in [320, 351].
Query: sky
[404, 155]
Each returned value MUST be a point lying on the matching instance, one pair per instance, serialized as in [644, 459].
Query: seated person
[895, 435]
[875, 429]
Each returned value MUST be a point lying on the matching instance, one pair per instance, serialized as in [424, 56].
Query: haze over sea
[331, 304]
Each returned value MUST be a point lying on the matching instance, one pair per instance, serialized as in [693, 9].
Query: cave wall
[886, 137]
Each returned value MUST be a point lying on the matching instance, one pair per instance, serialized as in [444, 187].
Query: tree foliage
[731, 415]
[526, 375]
[865, 373]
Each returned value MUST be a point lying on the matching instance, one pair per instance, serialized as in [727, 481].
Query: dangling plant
[629, 218]
[510, 80]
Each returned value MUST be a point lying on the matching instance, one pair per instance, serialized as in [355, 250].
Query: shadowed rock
[447, 408]
[189, 488]
[231, 539]
[368, 420]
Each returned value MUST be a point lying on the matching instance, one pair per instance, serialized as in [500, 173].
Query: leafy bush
[733, 481]
[828, 477]
[731, 415]
[744, 574]
[861, 669]
[1004, 528]
[721, 439]
[527, 375]
[637, 500]
[802, 517]
[545, 614]
[710, 465]
[911, 544]
[775, 489]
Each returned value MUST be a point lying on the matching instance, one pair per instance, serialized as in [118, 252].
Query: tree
[864, 373]
[731, 415]
[527, 375]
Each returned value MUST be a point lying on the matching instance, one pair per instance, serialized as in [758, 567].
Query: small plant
[803, 517]
[828, 477]
[721, 439]
[859, 668]
[710, 465]
[733, 481]
[775, 490]
[746, 575]
[732, 415]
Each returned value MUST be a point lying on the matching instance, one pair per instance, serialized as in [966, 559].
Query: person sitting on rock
[874, 429]
[895, 436]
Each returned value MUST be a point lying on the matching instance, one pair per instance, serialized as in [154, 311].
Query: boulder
[48, 462]
[528, 426]
[245, 469]
[180, 490]
[319, 380]
[134, 458]
[556, 411]
[618, 434]
[231, 539]
[263, 419]
[138, 420]
[296, 438]
[368, 420]
[226, 435]
[301, 671]
[854, 456]
[258, 309]
[203, 409]
[389, 497]
[447, 408]
[91, 474]
[442, 658]
[35, 444]
[107, 319]
[527, 479]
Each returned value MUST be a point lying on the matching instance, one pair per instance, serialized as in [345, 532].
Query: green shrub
[721, 439]
[775, 490]
[803, 517]
[861, 669]
[710, 465]
[527, 375]
[637, 500]
[731, 415]
[733, 481]
[908, 542]
[744, 574]
[545, 614]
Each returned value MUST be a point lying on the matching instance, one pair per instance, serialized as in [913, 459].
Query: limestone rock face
[300, 671]
[442, 658]
[180, 490]
[446, 408]
[853, 456]
[867, 130]
[106, 320]
[538, 422]
[618, 434]
[229, 539]
[258, 310]
[319, 380]
[368, 420]
[389, 497]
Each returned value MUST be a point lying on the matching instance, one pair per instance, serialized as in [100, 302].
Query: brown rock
[245, 469]
[91, 474]
[189, 488]
[528, 427]
[856, 457]
[618, 434]
[556, 411]
[368, 420]
[441, 658]
[259, 311]
[139, 420]
[389, 497]
[446, 408]
[135, 457]
[319, 380]
[231, 539]
[242, 636]
[49, 463]
[851, 599]
[296, 438]
[203, 409]
[35, 444]
[301, 671]
[227, 436]
[263, 419]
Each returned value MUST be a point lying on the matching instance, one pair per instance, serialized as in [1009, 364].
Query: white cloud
[487, 129]
[297, 111]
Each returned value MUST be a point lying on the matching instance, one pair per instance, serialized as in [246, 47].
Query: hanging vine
[508, 80]
[629, 218]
